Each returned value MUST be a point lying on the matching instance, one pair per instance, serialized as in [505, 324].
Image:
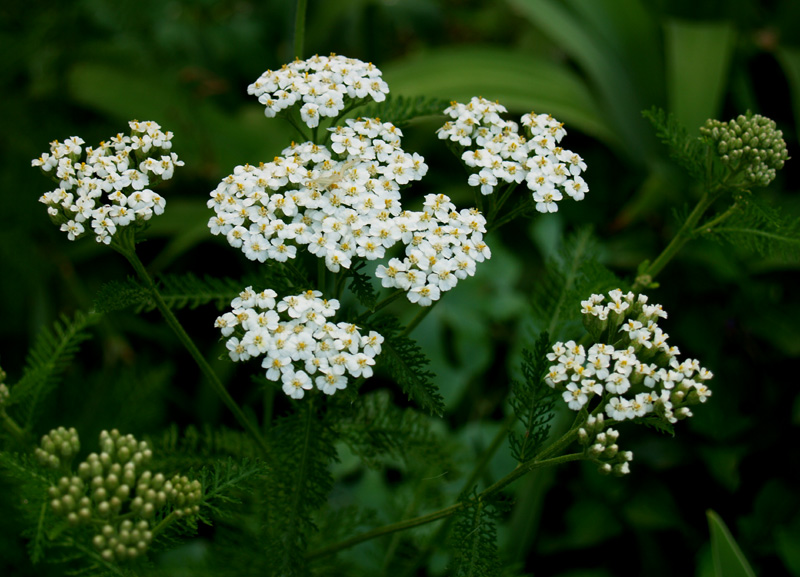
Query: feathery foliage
[408, 364]
[377, 429]
[571, 275]
[760, 228]
[47, 359]
[361, 285]
[689, 152]
[532, 401]
[401, 110]
[474, 540]
[297, 486]
[193, 448]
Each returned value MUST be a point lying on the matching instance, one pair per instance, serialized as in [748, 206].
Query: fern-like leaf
[376, 429]
[400, 110]
[121, 295]
[298, 486]
[572, 275]
[474, 540]
[762, 229]
[47, 360]
[407, 365]
[361, 286]
[687, 151]
[533, 402]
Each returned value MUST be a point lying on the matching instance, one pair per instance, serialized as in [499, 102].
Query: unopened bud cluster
[321, 84]
[600, 445]
[58, 447]
[108, 187]
[749, 144]
[496, 152]
[114, 491]
[631, 367]
[297, 341]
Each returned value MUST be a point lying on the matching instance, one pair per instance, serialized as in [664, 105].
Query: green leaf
[408, 365]
[46, 361]
[532, 401]
[612, 85]
[400, 110]
[361, 285]
[518, 81]
[728, 558]
[698, 58]
[474, 541]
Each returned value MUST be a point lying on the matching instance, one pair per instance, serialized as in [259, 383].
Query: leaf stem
[127, 249]
[417, 319]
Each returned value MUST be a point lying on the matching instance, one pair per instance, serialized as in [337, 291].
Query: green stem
[707, 226]
[129, 252]
[417, 319]
[447, 511]
[381, 304]
[10, 425]
[507, 218]
[165, 522]
[683, 236]
[300, 28]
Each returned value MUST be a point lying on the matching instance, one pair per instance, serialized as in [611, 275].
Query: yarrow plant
[496, 152]
[297, 341]
[108, 187]
[331, 225]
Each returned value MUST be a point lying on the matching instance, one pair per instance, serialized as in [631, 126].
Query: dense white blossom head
[497, 152]
[320, 86]
[630, 372]
[297, 343]
[106, 188]
[343, 203]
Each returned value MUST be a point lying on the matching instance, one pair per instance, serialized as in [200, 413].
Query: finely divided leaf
[533, 401]
[474, 541]
[47, 360]
[400, 110]
[408, 365]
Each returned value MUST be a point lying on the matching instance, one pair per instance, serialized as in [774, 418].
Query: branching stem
[128, 250]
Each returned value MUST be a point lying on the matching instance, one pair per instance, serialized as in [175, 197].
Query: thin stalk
[447, 511]
[381, 304]
[186, 340]
[11, 426]
[706, 227]
[300, 28]
[165, 522]
[417, 319]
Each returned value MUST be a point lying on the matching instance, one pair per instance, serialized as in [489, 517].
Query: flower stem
[417, 319]
[683, 236]
[300, 28]
[447, 511]
[129, 252]
[13, 428]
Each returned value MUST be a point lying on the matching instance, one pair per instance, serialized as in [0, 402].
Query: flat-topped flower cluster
[630, 366]
[297, 340]
[321, 84]
[344, 203]
[108, 187]
[497, 152]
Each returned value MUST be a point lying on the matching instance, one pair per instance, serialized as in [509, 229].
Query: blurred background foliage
[86, 67]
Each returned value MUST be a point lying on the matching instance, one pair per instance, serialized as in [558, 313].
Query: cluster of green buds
[114, 491]
[600, 445]
[58, 448]
[749, 145]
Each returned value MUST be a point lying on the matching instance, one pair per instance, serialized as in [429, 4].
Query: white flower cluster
[344, 203]
[637, 374]
[442, 246]
[497, 152]
[297, 341]
[109, 188]
[321, 84]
